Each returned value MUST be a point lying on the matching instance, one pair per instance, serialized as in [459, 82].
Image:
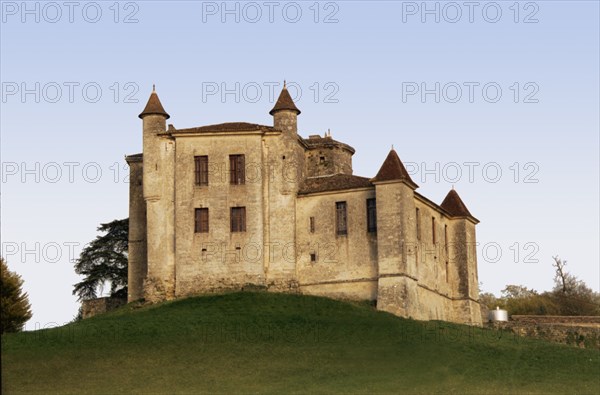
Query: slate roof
[154, 106]
[337, 182]
[393, 169]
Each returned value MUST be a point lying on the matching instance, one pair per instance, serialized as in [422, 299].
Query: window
[446, 240]
[371, 216]
[433, 230]
[238, 219]
[446, 271]
[201, 220]
[237, 166]
[201, 169]
[312, 224]
[418, 221]
[313, 257]
[341, 219]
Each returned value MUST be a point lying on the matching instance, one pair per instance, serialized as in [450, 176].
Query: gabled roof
[454, 205]
[284, 102]
[393, 170]
[154, 106]
[336, 182]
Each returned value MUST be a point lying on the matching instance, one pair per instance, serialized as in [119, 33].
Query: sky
[498, 99]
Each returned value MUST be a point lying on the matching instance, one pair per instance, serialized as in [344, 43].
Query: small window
[237, 165]
[312, 224]
[313, 257]
[341, 219]
[201, 169]
[371, 216]
[418, 222]
[322, 159]
[446, 239]
[238, 219]
[201, 220]
[433, 230]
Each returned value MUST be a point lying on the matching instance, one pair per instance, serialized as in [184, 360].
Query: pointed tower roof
[284, 102]
[454, 205]
[154, 106]
[393, 170]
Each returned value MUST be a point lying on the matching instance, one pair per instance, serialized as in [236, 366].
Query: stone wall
[578, 331]
[219, 259]
[344, 266]
[328, 158]
[97, 306]
[557, 319]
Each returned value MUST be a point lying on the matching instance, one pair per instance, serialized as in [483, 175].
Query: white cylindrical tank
[498, 315]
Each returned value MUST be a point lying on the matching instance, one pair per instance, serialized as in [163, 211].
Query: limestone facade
[234, 205]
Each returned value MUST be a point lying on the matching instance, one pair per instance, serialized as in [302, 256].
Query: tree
[517, 291]
[560, 277]
[571, 294]
[104, 261]
[15, 307]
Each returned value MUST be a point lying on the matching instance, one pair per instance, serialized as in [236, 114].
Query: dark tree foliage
[104, 261]
[15, 307]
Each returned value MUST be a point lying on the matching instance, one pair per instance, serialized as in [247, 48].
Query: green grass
[277, 343]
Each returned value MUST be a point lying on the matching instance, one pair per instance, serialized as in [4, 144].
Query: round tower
[285, 113]
[154, 118]
[158, 187]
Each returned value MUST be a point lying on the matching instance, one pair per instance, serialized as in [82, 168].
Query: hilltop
[276, 343]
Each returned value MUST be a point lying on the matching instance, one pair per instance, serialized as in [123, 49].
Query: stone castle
[241, 205]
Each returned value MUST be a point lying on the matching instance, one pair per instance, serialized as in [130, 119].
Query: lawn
[280, 343]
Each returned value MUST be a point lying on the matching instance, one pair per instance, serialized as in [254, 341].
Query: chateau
[240, 205]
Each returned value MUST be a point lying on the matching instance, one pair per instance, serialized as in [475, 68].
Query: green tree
[517, 291]
[15, 307]
[104, 261]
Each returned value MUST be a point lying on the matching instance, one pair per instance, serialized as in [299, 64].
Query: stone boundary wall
[557, 319]
[96, 306]
[578, 331]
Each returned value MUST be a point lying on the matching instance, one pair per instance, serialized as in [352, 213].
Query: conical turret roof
[393, 169]
[454, 205]
[284, 102]
[154, 106]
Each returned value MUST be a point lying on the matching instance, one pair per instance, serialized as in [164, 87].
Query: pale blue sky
[359, 67]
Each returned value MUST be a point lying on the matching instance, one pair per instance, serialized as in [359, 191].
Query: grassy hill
[276, 343]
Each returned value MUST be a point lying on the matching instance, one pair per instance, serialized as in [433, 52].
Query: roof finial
[452, 186]
[284, 85]
[392, 147]
[153, 88]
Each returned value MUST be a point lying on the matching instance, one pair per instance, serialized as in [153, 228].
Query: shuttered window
[238, 219]
[237, 165]
[201, 169]
[201, 220]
